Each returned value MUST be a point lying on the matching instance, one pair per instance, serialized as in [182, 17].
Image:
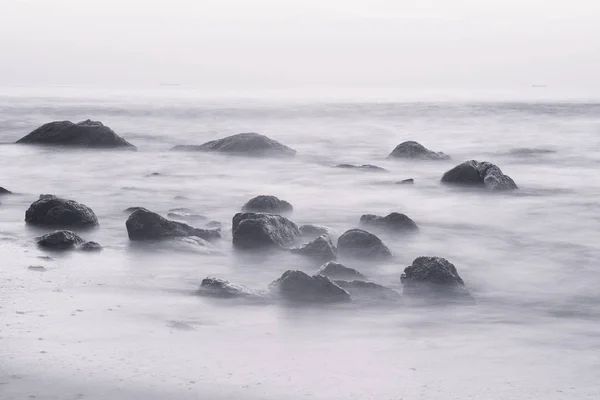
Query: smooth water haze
[126, 324]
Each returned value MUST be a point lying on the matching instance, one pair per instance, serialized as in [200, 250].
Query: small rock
[416, 151]
[320, 249]
[257, 230]
[215, 287]
[393, 222]
[50, 210]
[408, 181]
[132, 209]
[247, 144]
[334, 270]
[186, 216]
[267, 204]
[38, 268]
[297, 286]
[60, 240]
[214, 224]
[90, 246]
[364, 167]
[357, 243]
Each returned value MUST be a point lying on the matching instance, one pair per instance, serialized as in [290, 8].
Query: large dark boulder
[321, 249]
[334, 270]
[82, 134]
[66, 240]
[393, 222]
[357, 243]
[364, 167]
[475, 173]
[416, 151]
[369, 292]
[258, 230]
[50, 210]
[247, 144]
[147, 225]
[220, 288]
[267, 204]
[297, 286]
[433, 277]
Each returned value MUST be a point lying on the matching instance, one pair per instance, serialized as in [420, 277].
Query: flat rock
[50, 210]
[483, 174]
[60, 240]
[220, 288]
[370, 292]
[297, 286]
[321, 249]
[88, 133]
[147, 225]
[415, 151]
[357, 243]
[258, 230]
[334, 270]
[267, 204]
[395, 222]
[247, 144]
[364, 167]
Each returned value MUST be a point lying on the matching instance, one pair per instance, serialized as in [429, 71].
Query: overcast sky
[300, 43]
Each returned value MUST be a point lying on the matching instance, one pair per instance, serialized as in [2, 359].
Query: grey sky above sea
[269, 44]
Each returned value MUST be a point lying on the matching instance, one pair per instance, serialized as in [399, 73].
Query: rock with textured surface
[247, 144]
[86, 133]
[258, 230]
[433, 277]
[60, 240]
[267, 204]
[357, 243]
[90, 246]
[395, 222]
[416, 151]
[321, 249]
[475, 173]
[364, 167]
[297, 286]
[147, 225]
[220, 288]
[334, 270]
[50, 210]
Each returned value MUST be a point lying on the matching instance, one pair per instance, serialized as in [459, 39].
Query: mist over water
[125, 323]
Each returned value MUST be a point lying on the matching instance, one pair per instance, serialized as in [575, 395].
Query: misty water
[126, 323]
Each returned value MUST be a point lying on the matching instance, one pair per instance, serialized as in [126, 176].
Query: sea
[127, 323]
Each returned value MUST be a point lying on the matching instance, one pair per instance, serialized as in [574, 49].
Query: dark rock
[475, 173]
[60, 240]
[133, 209]
[146, 225]
[413, 150]
[433, 277]
[220, 288]
[394, 222]
[90, 246]
[364, 291]
[408, 181]
[155, 174]
[357, 243]
[320, 249]
[4, 191]
[267, 204]
[257, 230]
[364, 167]
[297, 286]
[248, 144]
[82, 134]
[50, 210]
[334, 270]
[314, 231]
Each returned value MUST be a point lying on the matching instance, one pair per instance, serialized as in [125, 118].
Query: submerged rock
[334, 270]
[314, 231]
[257, 230]
[4, 191]
[60, 240]
[86, 133]
[297, 286]
[248, 144]
[433, 277]
[475, 173]
[320, 249]
[364, 291]
[147, 225]
[267, 204]
[393, 222]
[357, 243]
[364, 167]
[220, 288]
[408, 181]
[416, 151]
[50, 210]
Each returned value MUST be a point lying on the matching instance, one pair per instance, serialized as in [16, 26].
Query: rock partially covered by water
[90, 246]
[60, 240]
[220, 288]
[130, 210]
[321, 249]
[395, 222]
[257, 230]
[50, 210]
[267, 204]
[185, 214]
[334, 270]
[364, 167]
[4, 191]
[86, 133]
[416, 151]
[408, 181]
[314, 231]
[147, 225]
[369, 292]
[475, 173]
[433, 277]
[247, 144]
[297, 286]
[357, 243]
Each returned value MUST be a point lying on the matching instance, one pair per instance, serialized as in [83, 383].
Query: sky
[300, 43]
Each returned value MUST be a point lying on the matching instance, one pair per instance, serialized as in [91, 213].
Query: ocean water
[125, 323]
